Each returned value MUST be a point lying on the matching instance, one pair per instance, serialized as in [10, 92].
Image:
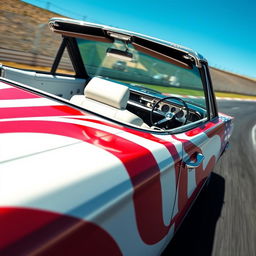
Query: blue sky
[223, 31]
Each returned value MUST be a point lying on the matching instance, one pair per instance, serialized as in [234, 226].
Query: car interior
[153, 91]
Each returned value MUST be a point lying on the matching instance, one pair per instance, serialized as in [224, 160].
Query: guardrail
[32, 59]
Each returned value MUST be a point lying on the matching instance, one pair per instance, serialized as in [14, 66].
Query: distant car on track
[119, 65]
[105, 162]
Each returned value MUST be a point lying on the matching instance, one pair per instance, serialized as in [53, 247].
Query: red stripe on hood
[15, 94]
[139, 162]
[41, 111]
[38, 232]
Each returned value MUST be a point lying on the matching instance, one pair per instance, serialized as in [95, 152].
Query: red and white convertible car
[106, 161]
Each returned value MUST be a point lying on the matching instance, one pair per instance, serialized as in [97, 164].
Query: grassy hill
[21, 23]
[228, 82]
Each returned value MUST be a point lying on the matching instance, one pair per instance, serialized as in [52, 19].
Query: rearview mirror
[120, 54]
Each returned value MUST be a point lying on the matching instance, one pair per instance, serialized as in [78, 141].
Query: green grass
[191, 92]
[234, 95]
[174, 90]
[168, 89]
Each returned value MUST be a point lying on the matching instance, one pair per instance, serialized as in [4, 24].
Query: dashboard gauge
[173, 109]
[165, 108]
[180, 114]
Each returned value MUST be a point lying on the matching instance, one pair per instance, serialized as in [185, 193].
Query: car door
[153, 172]
[200, 153]
[202, 146]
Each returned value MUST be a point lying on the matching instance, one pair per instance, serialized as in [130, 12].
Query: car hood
[33, 124]
[51, 154]
[57, 158]
[23, 110]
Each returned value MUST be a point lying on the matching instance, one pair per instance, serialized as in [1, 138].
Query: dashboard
[146, 103]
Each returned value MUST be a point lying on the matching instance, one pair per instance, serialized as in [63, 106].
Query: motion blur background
[24, 28]
[223, 220]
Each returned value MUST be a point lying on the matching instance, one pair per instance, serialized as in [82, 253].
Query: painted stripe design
[36, 102]
[15, 94]
[82, 167]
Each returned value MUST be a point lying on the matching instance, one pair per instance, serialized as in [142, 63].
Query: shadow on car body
[196, 234]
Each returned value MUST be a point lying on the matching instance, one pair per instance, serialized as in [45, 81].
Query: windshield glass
[142, 70]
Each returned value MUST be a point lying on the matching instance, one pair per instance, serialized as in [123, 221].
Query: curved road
[223, 219]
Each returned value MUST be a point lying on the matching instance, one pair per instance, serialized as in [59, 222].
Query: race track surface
[223, 219]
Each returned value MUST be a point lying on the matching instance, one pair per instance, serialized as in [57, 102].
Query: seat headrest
[107, 92]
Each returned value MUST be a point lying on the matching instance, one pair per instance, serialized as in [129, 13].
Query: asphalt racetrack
[223, 219]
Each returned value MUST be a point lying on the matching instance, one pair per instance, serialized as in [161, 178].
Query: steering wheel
[169, 115]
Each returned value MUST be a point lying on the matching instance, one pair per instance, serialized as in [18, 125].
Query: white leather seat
[108, 99]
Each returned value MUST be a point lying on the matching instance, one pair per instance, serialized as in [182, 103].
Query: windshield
[142, 70]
